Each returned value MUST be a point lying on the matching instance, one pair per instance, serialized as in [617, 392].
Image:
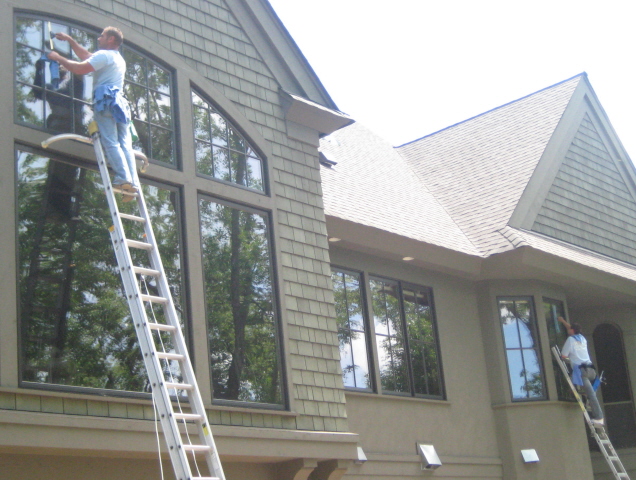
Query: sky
[407, 68]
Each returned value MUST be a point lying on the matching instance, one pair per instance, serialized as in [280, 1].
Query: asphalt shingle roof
[479, 168]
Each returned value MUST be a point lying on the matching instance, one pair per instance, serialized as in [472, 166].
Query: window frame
[276, 307]
[371, 363]
[537, 346]
[407, 340]
[184, 286]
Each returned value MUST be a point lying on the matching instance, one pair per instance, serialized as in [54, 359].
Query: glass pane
[379, 307]
[29, 108]
[237, 168]
[59, 113]
[255, 173]
[219, 129]
[159, 79]
[29, 32]
[242, 326]
[347, 365]
[160, 109]
[534, 380]
[198, 101]
[354, 302]
[361, 361]
[27, 64]
[74, 315]
[136, 96]
[201, 123]
[517, 374]
[62, 47]
[236, 141]
[143, 142]
[221, 164]
[162, 147]
[204, 158]
[88, 40]
[136, 70]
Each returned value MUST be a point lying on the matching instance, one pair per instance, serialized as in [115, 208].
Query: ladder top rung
[134, 218]
[179, 386]
[162, 326]
[147, 271]
[140, 245]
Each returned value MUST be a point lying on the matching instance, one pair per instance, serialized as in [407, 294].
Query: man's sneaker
[598, 422]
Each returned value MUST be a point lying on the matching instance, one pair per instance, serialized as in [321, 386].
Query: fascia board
[548, 166]
[279, 50]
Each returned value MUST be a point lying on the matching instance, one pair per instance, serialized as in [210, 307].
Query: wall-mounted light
[361, 457]
[430, 460]
[530, 456]
[408, 259]
[334, 239]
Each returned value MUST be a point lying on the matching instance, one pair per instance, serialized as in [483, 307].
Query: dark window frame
[407, 340]
[276, 306]
[537, 347]
[186, 306]
[368, 333]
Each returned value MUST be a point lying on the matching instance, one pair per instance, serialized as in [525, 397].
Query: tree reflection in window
[406, 339]
[65, 106]
[75, 327]
[522, 348]
[352, 337]
[240, 310]
[221, 151]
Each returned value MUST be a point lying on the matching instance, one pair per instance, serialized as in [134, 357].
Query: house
[349, 306]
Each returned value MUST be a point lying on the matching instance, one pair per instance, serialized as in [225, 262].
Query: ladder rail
[604, 444]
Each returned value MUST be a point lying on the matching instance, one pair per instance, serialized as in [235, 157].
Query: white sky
[407, 68]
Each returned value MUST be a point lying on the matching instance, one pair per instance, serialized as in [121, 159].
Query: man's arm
[80, 51]
[564, 322]
[78, 68]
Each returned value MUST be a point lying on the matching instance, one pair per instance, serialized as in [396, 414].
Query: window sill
[396, 397]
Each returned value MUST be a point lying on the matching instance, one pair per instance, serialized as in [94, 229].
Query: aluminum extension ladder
[597, 431]
[173, 421]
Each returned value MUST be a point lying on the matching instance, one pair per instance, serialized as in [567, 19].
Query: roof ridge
[582, 74]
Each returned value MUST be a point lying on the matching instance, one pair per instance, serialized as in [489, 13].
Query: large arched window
[52, 99]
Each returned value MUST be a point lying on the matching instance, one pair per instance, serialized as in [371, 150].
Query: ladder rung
[125, 192]
[162, 326]
[187, 416]
[197, 448]
[170, 356]
[147, 271]
[134, 218]
[179, 386]
[206, 478]
[140, 245]
[153, 298]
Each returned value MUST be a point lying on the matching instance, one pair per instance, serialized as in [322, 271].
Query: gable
[590, 203]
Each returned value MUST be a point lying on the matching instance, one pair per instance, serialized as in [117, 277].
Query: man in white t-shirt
[583, 371]
[110, 108]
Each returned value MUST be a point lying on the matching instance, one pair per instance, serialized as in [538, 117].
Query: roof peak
[582, 75]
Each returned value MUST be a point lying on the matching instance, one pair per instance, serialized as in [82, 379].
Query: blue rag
[54, 70]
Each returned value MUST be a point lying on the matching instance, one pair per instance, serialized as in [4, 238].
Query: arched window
[617, 396]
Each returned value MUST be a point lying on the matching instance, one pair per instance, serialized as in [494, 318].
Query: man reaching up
[110, 108]
[583, 371]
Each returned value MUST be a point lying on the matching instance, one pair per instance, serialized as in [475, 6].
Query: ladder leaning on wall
[159, 363]
[597, 431]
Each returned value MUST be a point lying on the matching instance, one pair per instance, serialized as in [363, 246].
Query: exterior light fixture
[408, 259]
[530, 456]
[430, 460]
[361, 457]
[334, 239]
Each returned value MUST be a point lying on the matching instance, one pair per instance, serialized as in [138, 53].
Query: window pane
[557, 334]
[234, 160]
[75, 322]
[352, 340]
[160, 110]
[534, 380]
[242, 324]
[29, 108]
[204, 158]
[29, 31]
[517, 374]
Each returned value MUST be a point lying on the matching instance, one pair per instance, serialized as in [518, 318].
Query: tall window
[58, 101]
[522, 348]
[240, 307]
[553, 309]
[406, 339]
[221, 151]
[352, 334]
[75, 323]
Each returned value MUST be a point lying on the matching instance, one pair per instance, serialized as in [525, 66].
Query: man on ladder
[583, 371]
[111, 110]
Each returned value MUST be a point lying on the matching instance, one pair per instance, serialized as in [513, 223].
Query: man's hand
[63, 36]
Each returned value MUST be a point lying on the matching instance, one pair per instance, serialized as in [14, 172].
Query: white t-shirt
[575, 348]
[110, 68]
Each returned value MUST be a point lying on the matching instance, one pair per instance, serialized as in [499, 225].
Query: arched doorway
[617, 394]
